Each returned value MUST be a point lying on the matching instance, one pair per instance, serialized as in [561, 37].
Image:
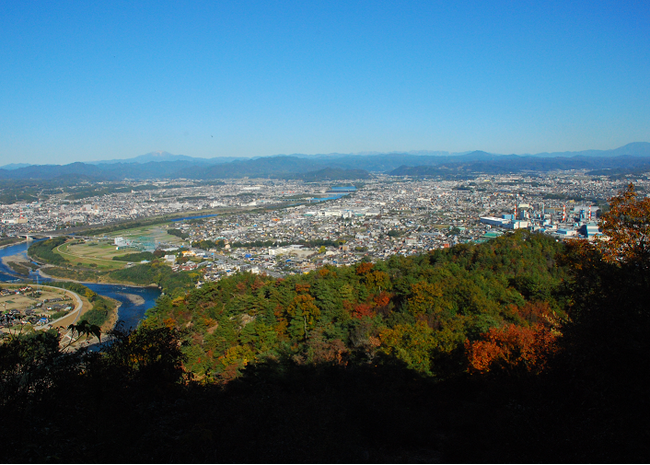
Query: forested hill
[420, 310]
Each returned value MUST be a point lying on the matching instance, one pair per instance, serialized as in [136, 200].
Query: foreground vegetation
[517, 350]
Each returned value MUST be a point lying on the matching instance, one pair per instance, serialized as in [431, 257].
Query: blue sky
[84, 81]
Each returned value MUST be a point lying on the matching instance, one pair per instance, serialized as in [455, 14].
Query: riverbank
[114, 315]
[9, 244]
[111, 319]
[133, 298]
[10, 263]
[103, 281]
[106, 327]
[126, 310]
[20, 265]
[67, 272]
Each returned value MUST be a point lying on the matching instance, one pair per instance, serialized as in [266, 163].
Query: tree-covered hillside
[420, 310]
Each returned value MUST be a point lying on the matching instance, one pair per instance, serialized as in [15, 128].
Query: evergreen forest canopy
[520, 349]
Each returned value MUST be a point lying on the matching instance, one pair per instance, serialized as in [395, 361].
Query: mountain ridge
[633, 148]
[163, 165]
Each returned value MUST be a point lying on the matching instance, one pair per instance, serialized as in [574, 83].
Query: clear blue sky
[94, 80]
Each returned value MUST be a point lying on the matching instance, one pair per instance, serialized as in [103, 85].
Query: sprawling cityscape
[277, 226]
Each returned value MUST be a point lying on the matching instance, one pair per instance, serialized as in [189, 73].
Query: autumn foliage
[362, 310]
[382, 299]
[366, 363]
[512, 349]
[627, 227]
[418, 310]
[364, 268]
[516, 348]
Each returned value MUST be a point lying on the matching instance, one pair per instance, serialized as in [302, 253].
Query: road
[70, 318]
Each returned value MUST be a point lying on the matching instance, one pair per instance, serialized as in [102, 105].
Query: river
[131, 310]
[185, 218]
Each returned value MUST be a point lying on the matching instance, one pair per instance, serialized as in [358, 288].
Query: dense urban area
[279, 227]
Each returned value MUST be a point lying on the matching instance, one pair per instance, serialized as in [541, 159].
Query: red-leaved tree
[513, 349]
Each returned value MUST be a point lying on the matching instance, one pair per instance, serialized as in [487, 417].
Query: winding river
[135, 300]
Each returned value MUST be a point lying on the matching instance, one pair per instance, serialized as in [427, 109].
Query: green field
[155, 233]
[98, 253]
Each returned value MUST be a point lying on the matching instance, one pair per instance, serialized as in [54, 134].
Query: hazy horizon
[413, 152]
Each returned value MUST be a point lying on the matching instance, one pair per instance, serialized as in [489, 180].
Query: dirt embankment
[19, 264]
[134, 298]
[86, 307]
[112, 318]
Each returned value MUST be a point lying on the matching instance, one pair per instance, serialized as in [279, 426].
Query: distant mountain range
[146, 158]
[14, 166]
[164, 165]
[164, 156]
[635, 148]
[509, 164]
[281, 167]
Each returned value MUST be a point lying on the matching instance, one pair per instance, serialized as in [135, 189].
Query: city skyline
[116, 80]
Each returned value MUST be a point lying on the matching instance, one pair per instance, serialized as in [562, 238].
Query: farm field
[98, 253]
[24, 301]
[33, 304]
[154, 233]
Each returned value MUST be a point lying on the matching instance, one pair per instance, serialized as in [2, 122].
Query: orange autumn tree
[627, 227]
[609, 315]
[512, 349]
[517, 348]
